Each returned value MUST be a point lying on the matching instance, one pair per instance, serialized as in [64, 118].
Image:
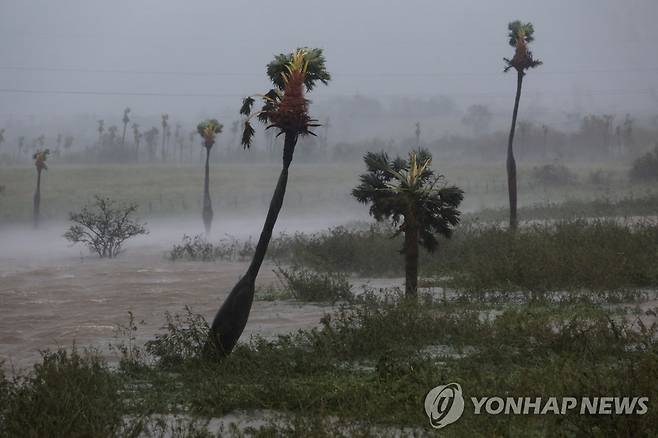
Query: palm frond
[247, 104]
[247, 134]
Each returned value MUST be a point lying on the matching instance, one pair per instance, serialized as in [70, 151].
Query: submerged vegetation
[383, 349]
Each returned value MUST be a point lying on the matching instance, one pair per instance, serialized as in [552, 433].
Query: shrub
[645, 168]
[198, 248]
[374, 250]
[184, 340]
[67, 394]
[104, 225]
[553, 175]
[305, 285]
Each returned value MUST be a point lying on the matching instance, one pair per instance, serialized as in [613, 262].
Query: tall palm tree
[414, 199]
[2, 137]
[125, 121]
[40, 163]
[285, 109]
[208, 131]
[520, 35]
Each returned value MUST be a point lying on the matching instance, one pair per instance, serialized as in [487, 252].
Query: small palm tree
[414, 199]
[39, 158]
[208, 131]
[520, 35]
[285, 108]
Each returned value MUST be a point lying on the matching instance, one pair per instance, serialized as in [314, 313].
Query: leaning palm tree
[285, 109]
[520, 35]
[40, 162]
[208, 131]
[414, 199]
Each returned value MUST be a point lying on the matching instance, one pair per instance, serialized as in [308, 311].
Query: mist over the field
[66, 64]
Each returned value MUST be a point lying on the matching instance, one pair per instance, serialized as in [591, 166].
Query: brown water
[52, 295]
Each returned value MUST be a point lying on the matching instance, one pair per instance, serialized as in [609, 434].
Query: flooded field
[52, 294]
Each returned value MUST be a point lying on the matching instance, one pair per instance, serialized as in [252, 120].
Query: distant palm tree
[40, 162]
[408, 193]
[191, 136]
[208, 131]
[125, 121]
[137, 137]
[285, 109]
[520, 35]
[101, 128]
[2, 137]
[151, 138]
[112, 134]
[165, 126]
[179, 141]
[21, 145]
[68, 142]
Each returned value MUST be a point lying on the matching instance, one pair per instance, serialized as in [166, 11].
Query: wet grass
[628, 206]
[363, 372]
[572, 255]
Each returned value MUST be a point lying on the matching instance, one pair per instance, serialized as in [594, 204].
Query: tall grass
[569, 255]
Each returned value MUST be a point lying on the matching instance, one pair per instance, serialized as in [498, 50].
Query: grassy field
[175, 191]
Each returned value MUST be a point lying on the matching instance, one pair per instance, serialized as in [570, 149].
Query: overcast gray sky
[596, 52]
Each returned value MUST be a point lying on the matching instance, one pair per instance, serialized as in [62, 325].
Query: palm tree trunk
[37, 200]
[207, 213]
[123, 137]
[411, 256]
[232, 317]
[511, 163]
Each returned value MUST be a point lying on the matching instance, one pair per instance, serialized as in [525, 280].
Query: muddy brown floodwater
[59, 295]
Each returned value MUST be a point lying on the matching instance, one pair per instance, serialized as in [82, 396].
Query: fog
[67, 59]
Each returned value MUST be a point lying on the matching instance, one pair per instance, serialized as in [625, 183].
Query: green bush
[305, 285]
[184, 340]
[68, 394]
[198, 248]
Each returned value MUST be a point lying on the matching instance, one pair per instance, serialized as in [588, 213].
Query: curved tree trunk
[37, 200]
[411, 256]
[511, 163]
[232, 317]
[207, 213]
